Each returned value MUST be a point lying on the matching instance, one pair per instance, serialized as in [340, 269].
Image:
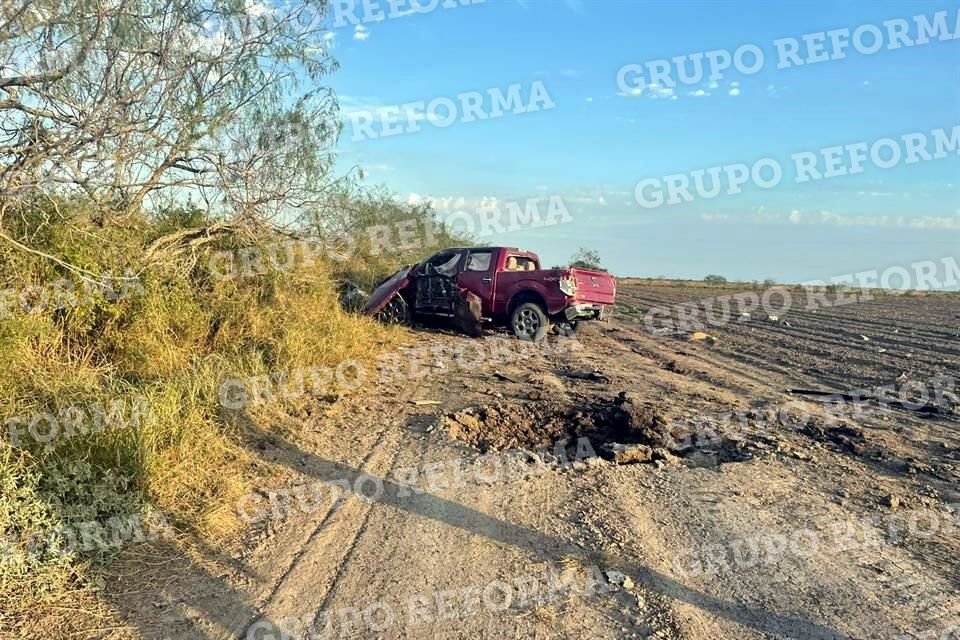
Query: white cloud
[656, 91]
[734, 92]
[652, 91]
[829, 218]
[360, 33]
[589, 99]
[449, 204]
[714, 84]
[376, 109]
[714, 217]
[734, 84]
[775, 91]
[699, 93]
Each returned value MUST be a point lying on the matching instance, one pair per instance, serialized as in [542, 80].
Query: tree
[714, 279]
[135, 103]
[586, 259]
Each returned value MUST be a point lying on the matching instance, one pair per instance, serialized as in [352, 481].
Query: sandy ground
[823, 527]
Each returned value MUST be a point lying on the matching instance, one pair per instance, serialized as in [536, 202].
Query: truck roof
[489, 248]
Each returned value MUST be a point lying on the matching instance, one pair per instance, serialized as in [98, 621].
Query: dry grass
[159, 358]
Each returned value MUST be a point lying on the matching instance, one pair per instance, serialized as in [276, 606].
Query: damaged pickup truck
[501, 284]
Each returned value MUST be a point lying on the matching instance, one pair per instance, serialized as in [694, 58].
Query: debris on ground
[623, 429]
[843, 437]
[594, 376]
[698, 336]
[619, 579]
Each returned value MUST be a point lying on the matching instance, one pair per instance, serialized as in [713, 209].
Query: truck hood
[387, 289]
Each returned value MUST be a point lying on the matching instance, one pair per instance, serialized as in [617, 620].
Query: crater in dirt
[622, 429]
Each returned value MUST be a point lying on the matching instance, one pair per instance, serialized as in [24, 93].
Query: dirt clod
[629, 454]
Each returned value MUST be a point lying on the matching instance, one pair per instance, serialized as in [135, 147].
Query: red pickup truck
[503, 284]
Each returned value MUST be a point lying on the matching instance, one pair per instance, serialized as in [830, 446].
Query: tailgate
[595, 286]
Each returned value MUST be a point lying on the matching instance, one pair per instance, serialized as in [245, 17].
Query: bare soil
[754, 512]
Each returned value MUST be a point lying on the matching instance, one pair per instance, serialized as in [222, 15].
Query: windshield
[444, 264]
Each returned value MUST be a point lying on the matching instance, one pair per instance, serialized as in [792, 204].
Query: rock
[468, 420]
[661, 454]
[617, 578]
[701, 336]
[773, 318]
[891, 501]
[629, 453]
[595, 461]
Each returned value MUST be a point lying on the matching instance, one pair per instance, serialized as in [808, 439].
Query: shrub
[156, 356]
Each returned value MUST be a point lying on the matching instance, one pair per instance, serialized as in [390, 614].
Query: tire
[568, 328]
[529, 322]
[397, 311]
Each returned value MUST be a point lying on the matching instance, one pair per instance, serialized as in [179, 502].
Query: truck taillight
[568, 286]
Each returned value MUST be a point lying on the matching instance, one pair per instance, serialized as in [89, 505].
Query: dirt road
[779, 516]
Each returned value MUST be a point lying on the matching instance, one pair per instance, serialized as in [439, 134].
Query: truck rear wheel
[529, 321]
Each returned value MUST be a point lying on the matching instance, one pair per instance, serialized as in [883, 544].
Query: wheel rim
[526, 323]
[393, 312]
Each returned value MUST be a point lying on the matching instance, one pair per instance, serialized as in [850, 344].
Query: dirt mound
[622, 429]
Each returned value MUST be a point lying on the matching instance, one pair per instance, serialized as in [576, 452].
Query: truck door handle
[487, 280]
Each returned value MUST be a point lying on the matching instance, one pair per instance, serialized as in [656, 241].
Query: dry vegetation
[158, 356]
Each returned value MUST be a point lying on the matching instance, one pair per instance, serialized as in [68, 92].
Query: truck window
[479, 260]
[521, 263]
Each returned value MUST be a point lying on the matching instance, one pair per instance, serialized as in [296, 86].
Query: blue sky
[594, 145]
